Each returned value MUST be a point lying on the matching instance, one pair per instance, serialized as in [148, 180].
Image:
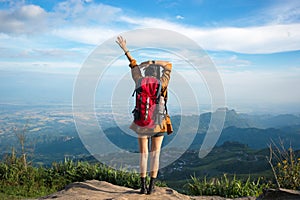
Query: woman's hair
[151, 70]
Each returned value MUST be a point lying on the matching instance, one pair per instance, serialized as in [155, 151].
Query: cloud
[62, 67]
[26, 19]
[90, 23]
[259, 87]
[29, 19]
[231, 62]
[283, 12]
[83, 12]
[13, 3]
[252, 40]
[179, 17]
[256, 39]
[86, 35]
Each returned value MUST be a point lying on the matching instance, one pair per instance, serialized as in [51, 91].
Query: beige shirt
[164, 79]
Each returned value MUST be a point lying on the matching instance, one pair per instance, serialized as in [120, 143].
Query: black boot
[151, 186]
[143, 186]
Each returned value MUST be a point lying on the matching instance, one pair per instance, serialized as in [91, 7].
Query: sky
[254, 44]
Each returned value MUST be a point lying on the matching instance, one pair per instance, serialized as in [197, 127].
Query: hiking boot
[151, 186]
[143, 186]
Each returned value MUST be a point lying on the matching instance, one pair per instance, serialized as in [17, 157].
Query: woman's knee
[155, 154]
[144, 154]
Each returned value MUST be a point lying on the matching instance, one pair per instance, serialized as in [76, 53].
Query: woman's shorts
[148, 135]
[158, 134]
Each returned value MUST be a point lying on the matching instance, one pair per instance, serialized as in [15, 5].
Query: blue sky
[254, 44]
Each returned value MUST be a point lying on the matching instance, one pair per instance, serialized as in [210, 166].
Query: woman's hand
[122, 43]
[144, 64]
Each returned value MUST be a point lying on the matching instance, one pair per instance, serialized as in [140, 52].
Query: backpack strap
[166, 98]
[138, 85]
[158, 91]
[164, 93]
[158, 71]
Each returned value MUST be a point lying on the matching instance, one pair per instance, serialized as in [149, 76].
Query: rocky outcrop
[97, 190]
[280, 194]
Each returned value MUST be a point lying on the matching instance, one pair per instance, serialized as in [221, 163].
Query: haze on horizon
[255, 46]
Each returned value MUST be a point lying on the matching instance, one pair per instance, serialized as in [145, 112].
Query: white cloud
[30, 48]
[90, 23]
[232, 62]
[179, 17]
[14, 3]
[86, 35]
[83, 12]
[261, 39]
[25, 19]
[259, 87]
[283, 12]
[39, 66]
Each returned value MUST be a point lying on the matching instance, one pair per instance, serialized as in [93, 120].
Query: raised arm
[135, 70]
[122, 43]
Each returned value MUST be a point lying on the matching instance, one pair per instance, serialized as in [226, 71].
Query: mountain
[58, 138]
[271, 121]
[260, 138]
[242, 120]
[234, 119]
[237, 127]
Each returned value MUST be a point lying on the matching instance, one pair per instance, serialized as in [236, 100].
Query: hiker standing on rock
[151, 119]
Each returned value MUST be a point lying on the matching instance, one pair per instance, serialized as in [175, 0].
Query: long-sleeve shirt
[164, 79]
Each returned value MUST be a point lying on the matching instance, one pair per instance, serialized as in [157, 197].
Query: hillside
[256, 131]
[57, 138]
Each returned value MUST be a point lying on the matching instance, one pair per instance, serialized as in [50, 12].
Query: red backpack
[148, 92]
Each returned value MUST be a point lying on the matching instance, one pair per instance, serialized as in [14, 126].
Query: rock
[280, 194]
[96, 190]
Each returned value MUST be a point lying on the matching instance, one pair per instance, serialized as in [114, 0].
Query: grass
[285, 166]
[26, 181]
[20, 179]
[225, 187]
[8, 197]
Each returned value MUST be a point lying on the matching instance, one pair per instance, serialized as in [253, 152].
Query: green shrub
[225, 187]
[20, 181]
[16, 180]
[19, 178]
[285, 166]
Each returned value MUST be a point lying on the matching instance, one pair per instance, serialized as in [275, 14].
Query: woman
[143, 133]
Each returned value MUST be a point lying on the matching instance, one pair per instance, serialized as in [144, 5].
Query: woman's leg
[154, 155]
[154, 161]
[143, 146]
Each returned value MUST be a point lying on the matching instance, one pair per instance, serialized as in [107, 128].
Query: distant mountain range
[241, 149]
[255, 131]
[255, 121]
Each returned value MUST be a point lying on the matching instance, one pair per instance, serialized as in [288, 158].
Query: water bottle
[161, 105]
